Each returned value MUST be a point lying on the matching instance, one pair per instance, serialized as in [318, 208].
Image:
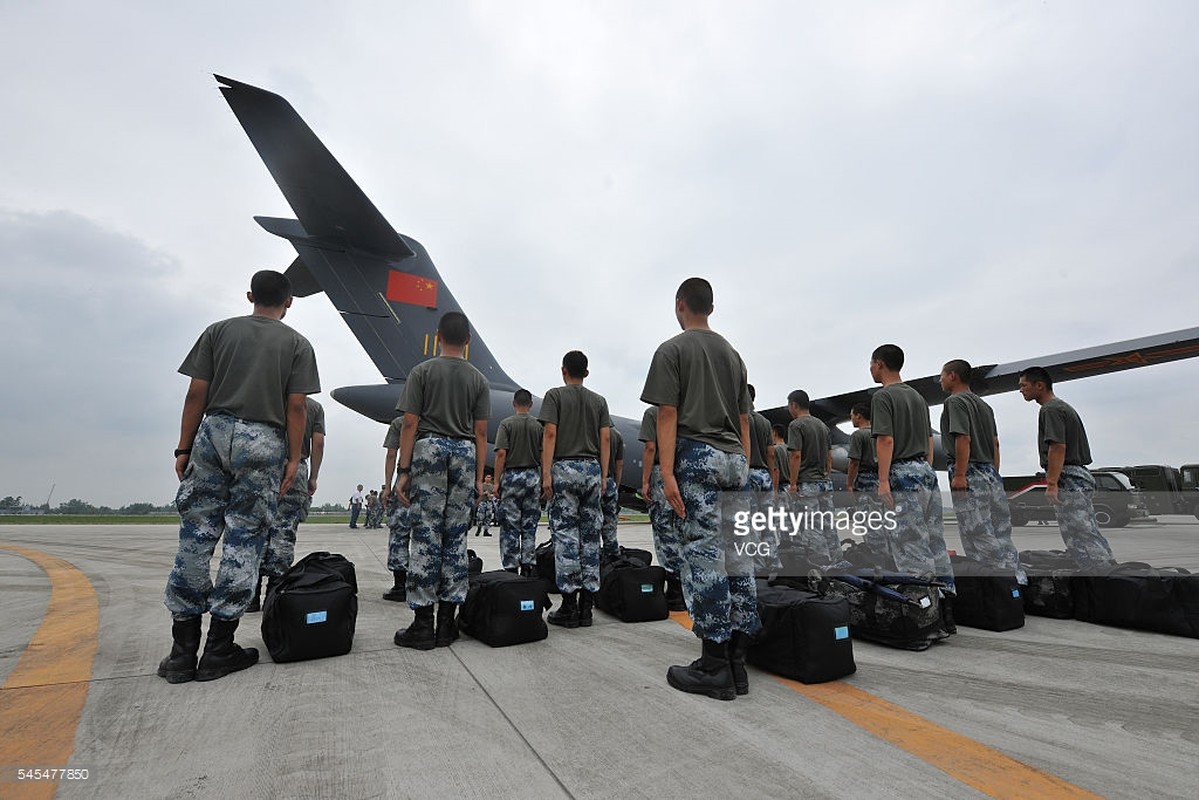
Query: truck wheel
[1020, 518]
[1106, 519]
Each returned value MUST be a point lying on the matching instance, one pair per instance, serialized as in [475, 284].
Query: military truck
[1166, 490]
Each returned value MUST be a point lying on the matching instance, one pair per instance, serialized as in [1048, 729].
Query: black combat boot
[221, 655]
[256, 600]
[567, 614]
[738, 648]
[419, 635]
[709, 674]
[399, 592]
[674, 592]
[447, 626]
[947, 621]
[180, 665]
[586, 601]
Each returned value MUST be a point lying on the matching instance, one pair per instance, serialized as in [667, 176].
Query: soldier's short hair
[270, 288]
[1035, 374]
[890, 354]
[696, 294]
[800, 398]
[453, 328]
[779, 431]
[575, 364]
[959, 367]
[753, 393]
[522, 397]
[861, 409]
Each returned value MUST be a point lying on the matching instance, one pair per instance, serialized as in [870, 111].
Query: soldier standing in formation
[443, 440]
[1069, 485]
[518, 482]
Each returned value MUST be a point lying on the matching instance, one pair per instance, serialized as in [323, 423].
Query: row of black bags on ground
[1131, 595]
[311, 611]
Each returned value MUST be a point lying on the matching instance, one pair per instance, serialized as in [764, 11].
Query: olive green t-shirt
[520, 435]
[809, 436]
[579, 414]
[392, 439]
[1060, 423]
[861, 449]
[448, 394]
[966, 414]
[649, 429]
[783, 463]
[759, 440]
[316, 424]
[700, 374]
[615, 451]
[898, 410]
[252, 364]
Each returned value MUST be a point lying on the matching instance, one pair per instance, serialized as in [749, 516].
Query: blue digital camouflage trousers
[918, 541]
[519, 512]
[721, 594]
[1076, 519]
[766, 559]
[442, 493]
[230, 489]
[576, 516]
[817, 496]
[865, 497]
[665, 525]
[985, 521]
[280, 548]
[399, 531]
[610, 503]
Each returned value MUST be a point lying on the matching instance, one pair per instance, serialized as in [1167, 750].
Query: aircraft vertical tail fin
[383, 283]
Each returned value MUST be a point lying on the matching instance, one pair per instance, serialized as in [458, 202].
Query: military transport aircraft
[391, 295]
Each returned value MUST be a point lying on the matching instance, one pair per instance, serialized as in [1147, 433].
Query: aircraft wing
[999, 378]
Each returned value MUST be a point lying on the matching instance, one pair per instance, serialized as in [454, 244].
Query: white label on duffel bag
[925, 602]
[528, 605]
[317, 616]
[647, 588]
[1016, 593]
[841, 632]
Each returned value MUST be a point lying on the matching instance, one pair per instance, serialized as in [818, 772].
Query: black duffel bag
[895, 610]
[805, 635]
[1136, 595]
[986, 599]
[503, 608]
[1050, 575]
[311, 610]
[544, 559]
[631, 591]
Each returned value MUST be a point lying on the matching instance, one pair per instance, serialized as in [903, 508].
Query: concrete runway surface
[1055, 709]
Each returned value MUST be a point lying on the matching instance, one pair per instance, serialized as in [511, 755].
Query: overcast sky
[992, 181]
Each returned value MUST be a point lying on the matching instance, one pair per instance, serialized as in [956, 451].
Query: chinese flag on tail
[403, 287]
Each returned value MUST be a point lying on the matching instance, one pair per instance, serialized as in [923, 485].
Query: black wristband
[404, 470]
[183, 452]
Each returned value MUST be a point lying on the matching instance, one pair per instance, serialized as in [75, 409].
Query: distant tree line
[17, 505]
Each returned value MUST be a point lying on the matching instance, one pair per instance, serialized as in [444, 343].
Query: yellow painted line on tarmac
[962, 758]
[43, 697]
